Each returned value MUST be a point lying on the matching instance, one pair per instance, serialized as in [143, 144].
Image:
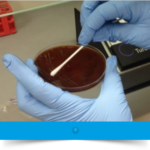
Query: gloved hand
[96, 20]
[49, 103]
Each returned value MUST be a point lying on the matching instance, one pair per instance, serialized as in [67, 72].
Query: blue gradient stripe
[74, 130]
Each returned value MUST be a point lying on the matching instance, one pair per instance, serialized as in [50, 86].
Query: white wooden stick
[54, 72]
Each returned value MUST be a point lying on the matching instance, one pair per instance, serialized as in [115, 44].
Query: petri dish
[85, 70]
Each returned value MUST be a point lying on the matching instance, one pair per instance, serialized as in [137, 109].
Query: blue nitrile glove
[49, 103]
[96, 20]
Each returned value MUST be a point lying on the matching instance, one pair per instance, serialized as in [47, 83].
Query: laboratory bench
[39, 29]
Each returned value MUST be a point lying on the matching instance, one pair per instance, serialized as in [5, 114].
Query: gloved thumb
[31, 65]
[112, 80]
[112, 101]
[128, 33]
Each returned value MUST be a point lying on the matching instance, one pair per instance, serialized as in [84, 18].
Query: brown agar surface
[82, 72]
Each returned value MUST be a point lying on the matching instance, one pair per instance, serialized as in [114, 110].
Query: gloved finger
[31, 65]
[87, 8]
[103, 13]
[112, 100]
[124, 32]
[112, 80]
[42, 91]
[28, 104]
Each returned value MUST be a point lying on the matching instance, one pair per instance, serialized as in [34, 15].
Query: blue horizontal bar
[74, 130]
